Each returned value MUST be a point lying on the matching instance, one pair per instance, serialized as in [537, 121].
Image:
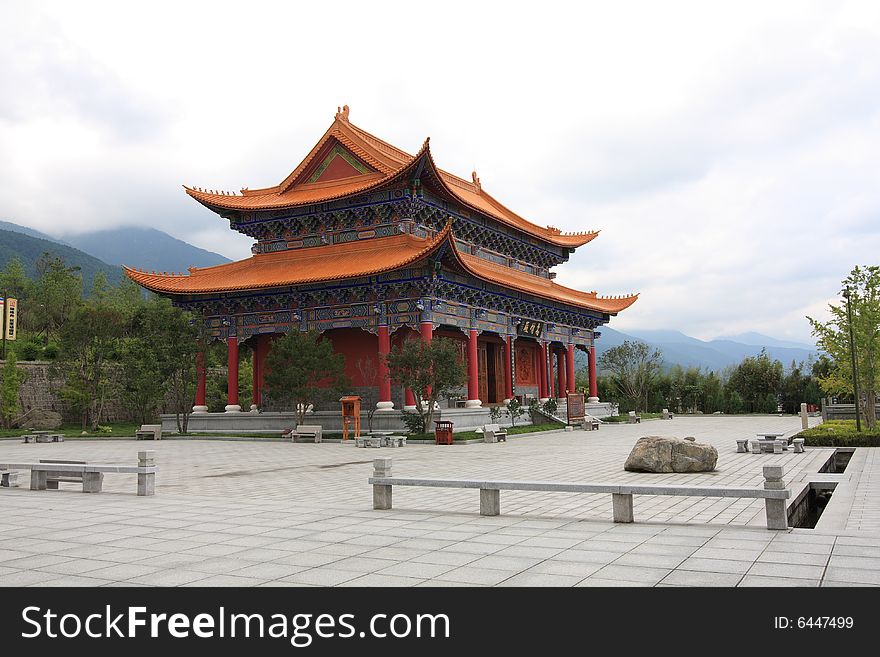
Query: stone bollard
[777, 517]
[490, 502]
[622, 507]
[805, 423]
[381, 492]
[146, 480]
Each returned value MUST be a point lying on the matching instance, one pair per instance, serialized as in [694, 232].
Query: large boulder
[659, 454]
[40, 419]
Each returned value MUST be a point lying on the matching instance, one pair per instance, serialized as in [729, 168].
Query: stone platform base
[463, 419]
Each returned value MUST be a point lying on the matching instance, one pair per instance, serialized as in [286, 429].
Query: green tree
[302, 369]
[633, 368]
[14, 281]
[755, 380]
[57, 294]
[430, 369]
[9, 388]
[157, 360]
[833, 337]
[89, 343]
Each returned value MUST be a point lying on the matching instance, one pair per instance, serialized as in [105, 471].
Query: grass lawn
[121, 430]
[624, 417]
[840, 433]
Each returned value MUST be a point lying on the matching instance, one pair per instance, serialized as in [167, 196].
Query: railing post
[777, 517]
[146, 480]
[490, 502]
[381, 492]
[622, 506]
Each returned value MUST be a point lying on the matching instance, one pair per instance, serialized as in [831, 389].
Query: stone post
[622, 507]
[490, 502]
[777, 517]
[92, 482]
[805, 423]
[381, 492]
[38, 479]
[146, 480]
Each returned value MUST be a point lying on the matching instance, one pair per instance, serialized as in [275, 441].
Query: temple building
[372, 246]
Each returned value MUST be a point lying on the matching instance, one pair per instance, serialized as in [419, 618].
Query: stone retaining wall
[39, 392]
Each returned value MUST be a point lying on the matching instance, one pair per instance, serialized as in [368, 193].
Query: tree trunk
[870, 409]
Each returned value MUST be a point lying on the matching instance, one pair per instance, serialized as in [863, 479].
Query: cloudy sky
[729, 152]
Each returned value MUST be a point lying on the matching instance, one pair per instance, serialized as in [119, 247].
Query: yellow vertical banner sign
[11, 318]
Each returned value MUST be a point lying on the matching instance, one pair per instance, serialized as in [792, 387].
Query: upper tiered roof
[348, 160]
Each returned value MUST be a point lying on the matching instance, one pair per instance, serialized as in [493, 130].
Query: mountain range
[680, 349]
[104, 250]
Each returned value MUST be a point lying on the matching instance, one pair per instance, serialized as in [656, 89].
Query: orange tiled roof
[294, 267]
[354, 259]
[388, 162]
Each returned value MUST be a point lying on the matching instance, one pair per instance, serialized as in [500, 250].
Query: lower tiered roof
[350, 260]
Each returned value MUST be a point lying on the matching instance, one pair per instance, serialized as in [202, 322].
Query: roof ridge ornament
[476, 180]
[342, 113]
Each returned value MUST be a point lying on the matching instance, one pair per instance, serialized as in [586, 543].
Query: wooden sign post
[351, 416]
[576, 409]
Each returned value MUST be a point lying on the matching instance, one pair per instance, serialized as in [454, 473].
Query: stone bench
[798, 444]
[368, 441]
[591, 424]
[149, 432]
[493, 433]
[769, 446]
[54, 478]
[774, 492]
[43, 437]
[90, 474]
[633, 418]
[394, 441]
[8, 478]
[314, 432]
[742, 445]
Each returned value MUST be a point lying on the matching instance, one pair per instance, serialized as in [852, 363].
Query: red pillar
[543, 392]
[255, 378]
[594, 388]
[508, 367]
[473, 400]
[384, 403]
[569, 367]
[427, 331]
[201, 384]
[232, 376]
[560, 374]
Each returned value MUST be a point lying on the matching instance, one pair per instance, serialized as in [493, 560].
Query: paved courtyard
[251, 513]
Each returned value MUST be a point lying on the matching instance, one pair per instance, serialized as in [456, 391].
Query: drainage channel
[806, 509]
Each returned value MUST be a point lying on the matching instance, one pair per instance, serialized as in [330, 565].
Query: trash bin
[443, 432]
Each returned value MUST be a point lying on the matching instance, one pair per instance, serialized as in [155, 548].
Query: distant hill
[144, 248]
[680, 349]
[24, 230]
[28, 249]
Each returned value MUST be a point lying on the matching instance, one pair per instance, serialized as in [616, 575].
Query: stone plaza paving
[260, 513]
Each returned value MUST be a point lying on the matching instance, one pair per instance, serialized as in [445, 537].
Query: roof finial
[476, 180]
[342, 113]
